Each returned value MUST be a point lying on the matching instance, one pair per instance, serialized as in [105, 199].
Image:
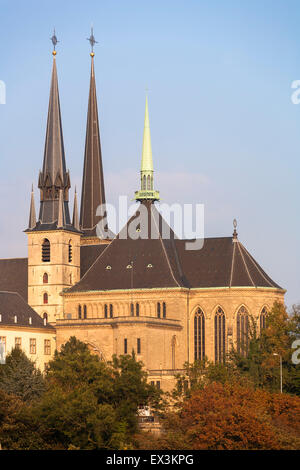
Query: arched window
[219, 335]
[242, 331]
[70, 251]
[45, 278]
[164, 310]
[199, 335]
[105, 311]
[158, 309]
[131, 309]
[46, 251]
[111, 310]
[84, 312]
[79, 311]
[45, 297]
[148, 182]
[45, 316]
[137, 310]
[262, 318]
[144, 182]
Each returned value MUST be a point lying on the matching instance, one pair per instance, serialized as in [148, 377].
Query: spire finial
[235, 234]
[92, 41]
[54, 42]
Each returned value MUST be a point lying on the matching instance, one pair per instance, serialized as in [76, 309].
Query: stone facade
[165, 343]
[61, 271]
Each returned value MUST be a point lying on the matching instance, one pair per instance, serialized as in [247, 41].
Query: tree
[91, 404]
[260, 364]
[230, 416]
[20, 377]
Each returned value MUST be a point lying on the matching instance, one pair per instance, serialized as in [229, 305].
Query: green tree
[20, 377]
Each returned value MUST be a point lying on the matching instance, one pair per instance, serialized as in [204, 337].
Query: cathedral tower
[53, 240]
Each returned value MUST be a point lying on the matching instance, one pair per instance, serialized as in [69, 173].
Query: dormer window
[150, 265]
[108, 267]
[129, 266]
[15, 319]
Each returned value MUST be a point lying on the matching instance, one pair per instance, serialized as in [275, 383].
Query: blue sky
[224, 130]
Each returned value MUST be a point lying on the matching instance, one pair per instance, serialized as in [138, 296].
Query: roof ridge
[245, 264]
[10, 259]
[164, 249]
[232, 264]
[256, 265]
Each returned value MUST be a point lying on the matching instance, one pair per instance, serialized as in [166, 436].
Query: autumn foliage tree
[230, 417]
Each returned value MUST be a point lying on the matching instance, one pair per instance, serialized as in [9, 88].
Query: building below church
[120, 293]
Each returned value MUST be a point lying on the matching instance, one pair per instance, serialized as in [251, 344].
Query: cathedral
[119, 293]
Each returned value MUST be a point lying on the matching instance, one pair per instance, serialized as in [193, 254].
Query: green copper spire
[147, 191]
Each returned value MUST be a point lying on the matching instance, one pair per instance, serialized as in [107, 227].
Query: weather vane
[54, 42]
[92, 41]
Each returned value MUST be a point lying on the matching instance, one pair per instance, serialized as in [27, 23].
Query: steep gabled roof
[154, 261]
[166, 263]
[11, 305]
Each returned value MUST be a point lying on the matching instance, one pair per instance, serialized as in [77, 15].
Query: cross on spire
[92, 40]
[54, 40]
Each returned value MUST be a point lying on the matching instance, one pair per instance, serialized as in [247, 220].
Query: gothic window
[79, 312]
[242, 331]
[131, 309]
[158, 309]
[84, 312]
[219, 335]
[148, 182]
[45, 316]
[125, 346]
[144, 182]
[45, 297]
[105, 311]
[199, 335]
[111, 310]
[164, 310]
[262, 318]
[46, 251]
[45, 278]
[138, 346]
[70, 251]
[137, 310]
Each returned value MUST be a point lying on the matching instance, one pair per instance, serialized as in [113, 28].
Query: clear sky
[224, 130]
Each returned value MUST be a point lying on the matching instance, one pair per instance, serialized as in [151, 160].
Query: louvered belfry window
[220, 335]
[46, 251]
[199, 335]
[242, 331]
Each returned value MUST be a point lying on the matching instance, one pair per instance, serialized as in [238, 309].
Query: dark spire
[93, 193]
[32, 213]
[54, 178]
[75, 221]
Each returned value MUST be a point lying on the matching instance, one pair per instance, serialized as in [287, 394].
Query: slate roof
[14, 276]
[165, 263]
[11, 304]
